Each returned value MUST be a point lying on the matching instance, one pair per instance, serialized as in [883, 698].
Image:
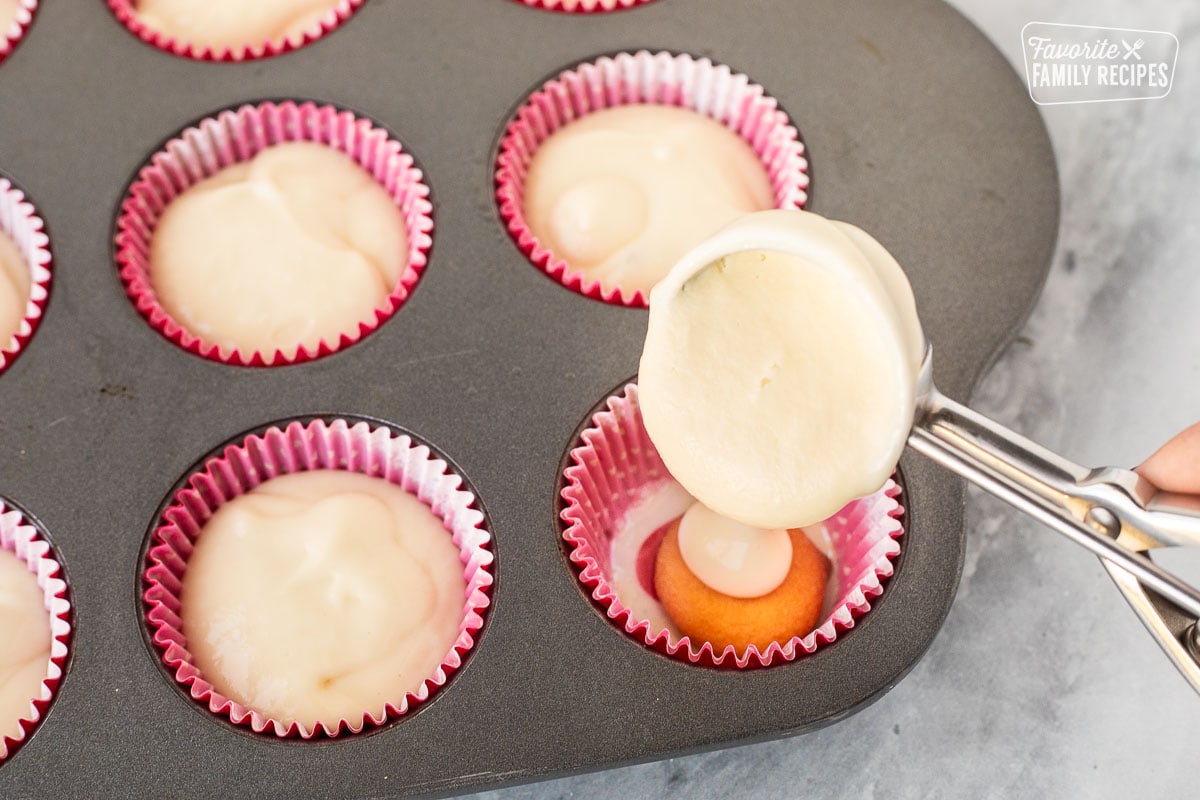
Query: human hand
[1175, 467]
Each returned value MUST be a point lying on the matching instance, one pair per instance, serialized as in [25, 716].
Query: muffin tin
[916, 129]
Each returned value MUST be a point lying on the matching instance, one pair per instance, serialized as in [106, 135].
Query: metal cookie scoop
[1115, 513]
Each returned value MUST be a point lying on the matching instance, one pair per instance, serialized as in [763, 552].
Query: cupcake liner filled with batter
[22, 545]
[24, 272]
[610, 232]
[207, 31]
[619, 500]
[199, 160]
[344, 450]
[15, 19]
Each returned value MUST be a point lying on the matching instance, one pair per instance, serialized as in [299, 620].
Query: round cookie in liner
[615, 467]
[584, 6]
[642, 78]
[356, 446]
[20, 537]
[126, 13]
[20, 222]
[237, 135]
[12, 31]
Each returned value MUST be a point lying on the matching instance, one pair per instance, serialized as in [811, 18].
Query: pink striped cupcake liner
[12, 31]
[21, 538]
[642, 78]
[20, 222]
[126, 13]
[584, 6]
[616, 468]
[237, 135]
[355, 446]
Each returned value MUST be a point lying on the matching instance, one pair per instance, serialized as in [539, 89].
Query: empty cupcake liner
[20, 222]
[234, 136]
[125, 11]
[616, 467]
[584, 6]
[642, 78]
[20, 537]
[338, 444]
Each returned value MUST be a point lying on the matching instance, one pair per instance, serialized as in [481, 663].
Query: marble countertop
[1042, 682]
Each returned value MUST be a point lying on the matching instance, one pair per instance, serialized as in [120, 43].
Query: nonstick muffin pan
[915, 128]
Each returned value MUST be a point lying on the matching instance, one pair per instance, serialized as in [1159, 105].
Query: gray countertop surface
[1042, 682]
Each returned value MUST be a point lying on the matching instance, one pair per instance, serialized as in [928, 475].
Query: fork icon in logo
[1132, 50]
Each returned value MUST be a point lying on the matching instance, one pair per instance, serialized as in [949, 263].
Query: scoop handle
[1178, 635]
[1115, 513]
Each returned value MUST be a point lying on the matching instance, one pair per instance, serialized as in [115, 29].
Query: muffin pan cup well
[288, 448]
[614, 472]
[915, 128]
[237, 135]
[698, 85]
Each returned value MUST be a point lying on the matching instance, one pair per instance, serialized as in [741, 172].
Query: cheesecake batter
[8, 16]
[778, 375]
[322, 596]
[623, 193]
[24, 642]
[295, 246]
[234, 24]
[731, 558]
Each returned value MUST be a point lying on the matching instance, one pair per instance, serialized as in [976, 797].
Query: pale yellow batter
[732, 558]
[623, 193]
[24, 642]
[295, 246]
[322, 596]
[778, 375]
[232, 24]
[8, 16]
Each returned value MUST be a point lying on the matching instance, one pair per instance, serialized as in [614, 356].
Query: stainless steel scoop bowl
[1115, 513]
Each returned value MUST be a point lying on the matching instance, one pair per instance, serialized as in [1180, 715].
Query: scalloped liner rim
[57, 593]
[511, 162]
[419, 225]
[558, 6]
[475, 548]
[18, 28]
[125, 13]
